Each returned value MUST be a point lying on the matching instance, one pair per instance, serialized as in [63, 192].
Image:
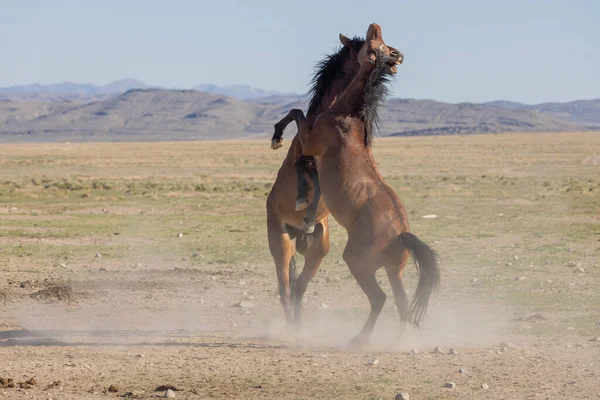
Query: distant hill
[68, 91]
[242, 92]
[157, 114]
[585, 112]
[427, 117]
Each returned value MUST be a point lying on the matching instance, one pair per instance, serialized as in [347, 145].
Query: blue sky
[455, 50]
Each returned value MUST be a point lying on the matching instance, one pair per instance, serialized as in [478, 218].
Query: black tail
[429, 276]
[293, 278]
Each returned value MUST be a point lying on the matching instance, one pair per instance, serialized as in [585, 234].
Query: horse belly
[284, 194]
[345, 197]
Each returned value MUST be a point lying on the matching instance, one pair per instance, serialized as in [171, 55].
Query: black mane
[376, 91]
[326, 71]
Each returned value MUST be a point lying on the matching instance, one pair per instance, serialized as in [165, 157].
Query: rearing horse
[284, 222]
[356, 194]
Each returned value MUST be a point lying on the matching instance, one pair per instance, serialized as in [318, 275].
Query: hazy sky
[455, 50]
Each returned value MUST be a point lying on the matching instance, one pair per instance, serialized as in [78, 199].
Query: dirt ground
[131, 267]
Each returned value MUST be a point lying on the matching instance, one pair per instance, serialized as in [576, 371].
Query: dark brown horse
[356, 194]
[286, 222]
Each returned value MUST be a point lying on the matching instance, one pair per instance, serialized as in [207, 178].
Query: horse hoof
[294, 327]
[276, 144]
[358, 342]
[308, 228]
[301, 204]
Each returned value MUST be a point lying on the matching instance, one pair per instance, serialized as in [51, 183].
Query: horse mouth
[394, 63]
[393, 66]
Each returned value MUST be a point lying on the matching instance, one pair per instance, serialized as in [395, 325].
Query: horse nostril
[396, 54]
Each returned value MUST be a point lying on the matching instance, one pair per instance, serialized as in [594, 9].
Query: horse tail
[429, 275]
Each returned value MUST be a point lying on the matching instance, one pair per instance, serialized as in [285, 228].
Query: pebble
[508, 264]
[520, 278]
[180, 235]
[402, 396]
[438, 350]
[474, 280]
[430, 216]
[243, 304]
[113, 389]
[502, 349]
[450, 385]
[462, 370]
[63, 265]
[169, 394]
[516, 257]
[414, 351]
[98, 255]
[452, 351]
[323, 305]
[597, 339]
[374, 362]
[485, 386]
[580, 270]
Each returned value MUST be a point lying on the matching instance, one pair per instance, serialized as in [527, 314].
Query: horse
[356, 194]
[286, 222]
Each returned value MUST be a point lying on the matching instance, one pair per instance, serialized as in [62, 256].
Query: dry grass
[518, 230]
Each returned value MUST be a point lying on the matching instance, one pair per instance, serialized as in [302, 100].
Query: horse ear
[345, 41]
[374, 32]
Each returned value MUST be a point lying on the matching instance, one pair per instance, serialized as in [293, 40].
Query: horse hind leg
[312, 260]
[282, 250]
[394, 273]
[364, 273]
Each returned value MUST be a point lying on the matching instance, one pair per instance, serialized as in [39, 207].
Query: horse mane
[327, 70]
[376, 92]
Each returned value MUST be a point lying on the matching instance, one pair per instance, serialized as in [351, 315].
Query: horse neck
[352, 100]
[336, 88]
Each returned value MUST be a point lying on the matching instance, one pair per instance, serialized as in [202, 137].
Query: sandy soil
[101, 299]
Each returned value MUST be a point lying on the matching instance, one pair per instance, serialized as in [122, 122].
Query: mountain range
[129, 110]
[70, 91]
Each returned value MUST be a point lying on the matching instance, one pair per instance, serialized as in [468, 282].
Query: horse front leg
[302, 171]
[294, 115]
[310, 216]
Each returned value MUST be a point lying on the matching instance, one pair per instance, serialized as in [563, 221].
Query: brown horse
[285, 222]
[356, 194]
